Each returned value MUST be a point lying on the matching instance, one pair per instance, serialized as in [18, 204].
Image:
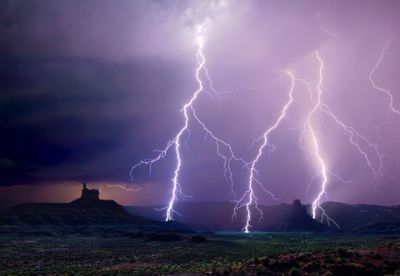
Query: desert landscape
[200, 137]
[94, 236]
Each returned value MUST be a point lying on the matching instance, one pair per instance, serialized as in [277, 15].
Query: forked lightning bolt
[314, 140]
[176, 143]
[376, 86]
[355, 139]
[249, 198]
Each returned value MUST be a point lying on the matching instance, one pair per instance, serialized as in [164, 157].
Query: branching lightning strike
[357, 140]
[249, 194]
[379, 88]
[188, 112]
[317, 152]
[249, 200]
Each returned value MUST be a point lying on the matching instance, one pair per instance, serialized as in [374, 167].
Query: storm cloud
[89, 88]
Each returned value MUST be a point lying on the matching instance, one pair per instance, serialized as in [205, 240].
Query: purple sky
[89, 88]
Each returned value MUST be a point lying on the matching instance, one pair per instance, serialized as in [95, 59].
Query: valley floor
[230, 253]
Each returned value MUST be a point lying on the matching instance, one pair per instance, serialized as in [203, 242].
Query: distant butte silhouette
[299, 220]
[89, 195]
[89, 209]
[90, 199]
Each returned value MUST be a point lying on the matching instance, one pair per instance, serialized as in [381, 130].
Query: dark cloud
[74, 111]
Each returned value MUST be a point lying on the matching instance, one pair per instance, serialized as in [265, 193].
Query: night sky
[90, 88]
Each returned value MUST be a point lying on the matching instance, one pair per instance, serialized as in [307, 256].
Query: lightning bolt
[317, 152]
[376, 86]
[249, 198]
[384, 91]
[124, 187]
[189, 111]
[356, 139]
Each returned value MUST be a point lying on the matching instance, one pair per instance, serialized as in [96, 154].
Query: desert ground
[108, 252]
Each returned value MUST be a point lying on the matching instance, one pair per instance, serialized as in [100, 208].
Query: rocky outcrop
[90, 199]
[299, 220]
[89, 195]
